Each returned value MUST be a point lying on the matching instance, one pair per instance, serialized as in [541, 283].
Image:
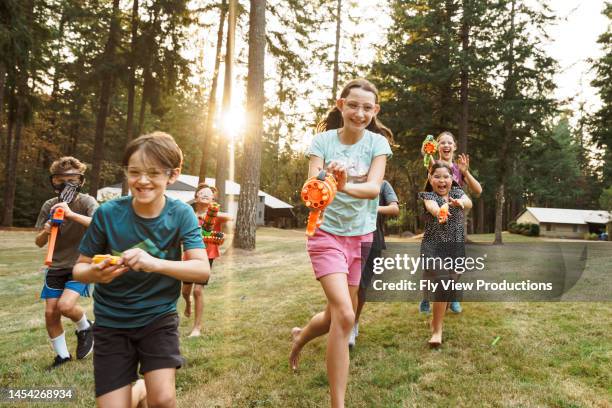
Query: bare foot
[194, 333]
[294, 357]
[187, 307]
[436, 340]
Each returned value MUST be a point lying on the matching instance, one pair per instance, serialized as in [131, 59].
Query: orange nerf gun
[97, 259]
[57, 218]
[443, 214]
[317, 193]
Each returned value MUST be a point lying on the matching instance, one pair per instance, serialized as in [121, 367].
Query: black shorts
[57, 278]
[368, 270]
[118, 352]
[210, 262]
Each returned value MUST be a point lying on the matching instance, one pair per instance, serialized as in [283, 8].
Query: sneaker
[58, 362]
[424, 306]
[455, 307]
[351, 341]
[85, 341]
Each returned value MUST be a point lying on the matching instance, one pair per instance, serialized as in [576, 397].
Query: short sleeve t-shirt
[70, 233]
[386, 197]
[347, 215]
[135, 299]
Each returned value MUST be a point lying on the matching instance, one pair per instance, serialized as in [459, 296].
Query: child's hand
[463, 162]
[104, 272]
[47, 227]
[339, 172]
[139, 260]
[456, 203]
[68, 213]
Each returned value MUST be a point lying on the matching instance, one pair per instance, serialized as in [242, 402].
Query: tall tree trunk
[222, 152]
[509, 93]
[129, 125]
[2, 84]
[247, 204]
[337, 50]
[207, 137]
[14, 148]
[481, 215]
[465, 67]
[105, 94]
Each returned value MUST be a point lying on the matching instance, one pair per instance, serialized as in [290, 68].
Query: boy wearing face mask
[60, 291]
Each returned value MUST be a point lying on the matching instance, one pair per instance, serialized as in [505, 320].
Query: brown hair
[333, 120]
[157, 146]
[202, 186]
[63, 164]
[439, 164]
[446, 132]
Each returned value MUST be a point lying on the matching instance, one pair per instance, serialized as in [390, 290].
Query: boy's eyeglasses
[151, 174]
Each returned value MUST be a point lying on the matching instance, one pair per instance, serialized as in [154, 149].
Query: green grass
[549, 354]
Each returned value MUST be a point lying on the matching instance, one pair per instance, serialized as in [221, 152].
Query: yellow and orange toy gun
[97, 259]
[317, 193]
[429, 148]
[57, 218]
[443, 214]
[210, 236]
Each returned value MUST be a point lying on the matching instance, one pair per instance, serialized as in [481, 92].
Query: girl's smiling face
[205, 197]
[446, 147]
[441, 181]
[358, 109]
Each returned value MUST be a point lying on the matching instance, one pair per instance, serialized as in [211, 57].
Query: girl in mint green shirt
[351, 145]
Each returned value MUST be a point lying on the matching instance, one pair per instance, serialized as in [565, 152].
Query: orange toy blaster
[317, 193]
[56, 220]
[443, 214]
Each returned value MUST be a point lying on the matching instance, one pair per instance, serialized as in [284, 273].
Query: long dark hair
[333, 119]
[438, 164]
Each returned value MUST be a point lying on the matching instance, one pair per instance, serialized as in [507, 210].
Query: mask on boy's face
[67, 191]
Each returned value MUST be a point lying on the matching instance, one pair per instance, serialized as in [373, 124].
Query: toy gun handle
[314, 220]
[56, 219]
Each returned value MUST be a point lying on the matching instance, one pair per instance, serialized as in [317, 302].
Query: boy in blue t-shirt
[135, 300]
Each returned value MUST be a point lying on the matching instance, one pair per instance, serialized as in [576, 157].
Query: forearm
[389, 210]
[82, 272]
[42, 238]
[192, 270]
[367, 190]
[432, 207]
[472, 184]
[81, 219]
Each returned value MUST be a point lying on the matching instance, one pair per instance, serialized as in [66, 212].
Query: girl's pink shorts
[337, 254]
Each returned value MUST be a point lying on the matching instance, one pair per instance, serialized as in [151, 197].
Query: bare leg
[53, 318]
[186, 291]
[338, 318]
[139, 394]
[68, 306]
[360, 303]
[439, 309]
[199, 309]
[121, 397]
[161, 388]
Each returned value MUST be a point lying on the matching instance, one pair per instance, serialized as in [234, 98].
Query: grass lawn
[549, 354]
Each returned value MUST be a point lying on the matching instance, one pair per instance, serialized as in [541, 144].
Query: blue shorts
[57, 280]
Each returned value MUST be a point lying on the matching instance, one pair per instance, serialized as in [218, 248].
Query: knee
[161, 399]
[186, 291]
[344, 317]
[65, 307]
[197, 291]
[52, 314]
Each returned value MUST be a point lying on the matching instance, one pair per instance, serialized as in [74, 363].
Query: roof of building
[186, 184]
[569, 216]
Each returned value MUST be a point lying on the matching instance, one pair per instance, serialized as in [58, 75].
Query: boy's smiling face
[148, 180]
